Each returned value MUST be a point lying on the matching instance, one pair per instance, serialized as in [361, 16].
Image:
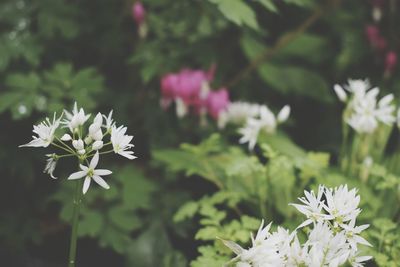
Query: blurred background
[112, 55]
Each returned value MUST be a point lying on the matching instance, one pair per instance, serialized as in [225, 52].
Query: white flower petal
[100, 181]
[86, 184]
[94, 161]
[77, 175]
[102, 172]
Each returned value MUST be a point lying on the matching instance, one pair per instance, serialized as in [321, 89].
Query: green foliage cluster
[170, 205]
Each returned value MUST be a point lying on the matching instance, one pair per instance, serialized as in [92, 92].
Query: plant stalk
[75, 223]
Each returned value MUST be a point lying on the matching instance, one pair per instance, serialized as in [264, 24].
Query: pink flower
[138, 12]
[168, 84]
[217, 101]
[185, 84]
[390, 61]
[188, 87]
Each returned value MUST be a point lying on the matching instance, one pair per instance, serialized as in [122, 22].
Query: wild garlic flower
[238, 113]
[75, 118]
[51, 165]
[109, 122]
[45, 133]
[264, 121]
[121, 142]
[329, 243]
[84, 143]
[364, 111]
[90, 173]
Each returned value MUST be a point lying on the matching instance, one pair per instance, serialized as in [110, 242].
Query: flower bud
[78, 144]
[88, 140]
[283, 115]
[340, 93]
[97, 145]
[66, 137]
[98, 136]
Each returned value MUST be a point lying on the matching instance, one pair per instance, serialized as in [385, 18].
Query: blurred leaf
[295, 80]
[238, 12]
[269, 5]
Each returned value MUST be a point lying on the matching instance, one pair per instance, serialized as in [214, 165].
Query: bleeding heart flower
[217, 101]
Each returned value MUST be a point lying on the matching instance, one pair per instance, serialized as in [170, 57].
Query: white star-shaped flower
[91, 173]
[121, 142]
[45, 133]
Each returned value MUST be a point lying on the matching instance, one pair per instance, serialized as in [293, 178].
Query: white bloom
[250, 133]
[330, 243]
[385, 110]
[66, 137]
[51, 165]
[366, 112]
[296, 254]
[357, 261]
[340, 92]
[358, 87]
[75, 118]
[97, 145]
[283, 114]
[237, 113]
[91, 173]
[342, 204]
[312, 206]
[95, 132]
[352, 234]
[45, 133]
[109, 121]
[267, 119]
[121, 142]
[262, 253]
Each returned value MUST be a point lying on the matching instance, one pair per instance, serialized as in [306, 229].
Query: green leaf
[308, 47]
[295, 80]
[118, 240]
[207, 233]
[124, 219]
[269, 5]
[91, 224]
[187, 211]
[238, 12]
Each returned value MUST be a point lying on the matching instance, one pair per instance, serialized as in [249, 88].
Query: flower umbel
[331, 241]
[82, 141]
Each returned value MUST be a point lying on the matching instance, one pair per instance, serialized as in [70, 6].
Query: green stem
[75, 222]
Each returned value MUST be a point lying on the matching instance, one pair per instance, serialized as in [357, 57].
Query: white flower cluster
[82, 142]
[365, 111]
[332, 241]
[254, 117]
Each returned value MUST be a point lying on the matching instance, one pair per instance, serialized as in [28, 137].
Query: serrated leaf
[207, 233]
[187, 211]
